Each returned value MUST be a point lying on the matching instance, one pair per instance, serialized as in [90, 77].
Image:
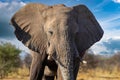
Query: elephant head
[61, 32]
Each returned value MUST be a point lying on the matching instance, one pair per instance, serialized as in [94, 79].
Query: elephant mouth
[56, 58]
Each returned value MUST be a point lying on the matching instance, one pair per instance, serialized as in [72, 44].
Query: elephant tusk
[50, 57]
[84, 62]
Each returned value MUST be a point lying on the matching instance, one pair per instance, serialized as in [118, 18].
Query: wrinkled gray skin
[58, 36]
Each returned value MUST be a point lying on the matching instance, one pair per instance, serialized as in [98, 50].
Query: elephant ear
[89, 29]
[28, 23]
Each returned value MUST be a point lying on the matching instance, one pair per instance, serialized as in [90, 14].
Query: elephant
[57, 37]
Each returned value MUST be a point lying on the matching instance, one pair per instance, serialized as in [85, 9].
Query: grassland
[97, 68]
[89, 74]
[99, 74]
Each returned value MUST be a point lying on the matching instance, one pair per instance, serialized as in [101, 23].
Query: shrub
[9, 58]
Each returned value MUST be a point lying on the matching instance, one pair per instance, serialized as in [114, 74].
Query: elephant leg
[37, 66]
[50, 70]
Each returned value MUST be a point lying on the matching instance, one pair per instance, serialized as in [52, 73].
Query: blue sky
[107, 12]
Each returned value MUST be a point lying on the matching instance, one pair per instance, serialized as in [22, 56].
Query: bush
[101, 61]
[9, 58]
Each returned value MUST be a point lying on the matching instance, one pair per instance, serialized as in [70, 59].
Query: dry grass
[90, 74]
[21, 74]
[99, 74]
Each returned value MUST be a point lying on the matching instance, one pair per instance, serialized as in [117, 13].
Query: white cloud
[116, 1]
[102, 3]
[15, 42]
[99, 48]
[108, 46]
[110, 43]
[111, 21]
[3, 4]
[111, 18]
[7, 9]
[15, 5]
[111, 26]
[111, 29]
[113, 34]
[110, 32]
[99, 6]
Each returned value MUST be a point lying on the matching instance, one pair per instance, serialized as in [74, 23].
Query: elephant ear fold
[28, 23]
[89, 29]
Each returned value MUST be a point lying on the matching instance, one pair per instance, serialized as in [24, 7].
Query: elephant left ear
[89, 29]
[28, 23]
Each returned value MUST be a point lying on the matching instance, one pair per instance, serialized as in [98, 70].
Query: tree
[9, 58]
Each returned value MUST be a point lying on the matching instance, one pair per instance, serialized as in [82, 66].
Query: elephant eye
[51, 32]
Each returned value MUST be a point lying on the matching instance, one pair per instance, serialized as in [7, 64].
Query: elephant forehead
[58, 16]
[57, 10]
[63, 9]
[57, 21]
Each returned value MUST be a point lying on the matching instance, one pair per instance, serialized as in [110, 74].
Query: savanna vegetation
[98, 67]
[9, 59]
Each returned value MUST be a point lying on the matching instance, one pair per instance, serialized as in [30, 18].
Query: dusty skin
[58, 36]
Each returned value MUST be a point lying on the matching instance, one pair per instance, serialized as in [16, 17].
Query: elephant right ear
[90, 31]
[28, 23]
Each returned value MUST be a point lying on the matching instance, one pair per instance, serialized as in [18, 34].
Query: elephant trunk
[67, 55]
[67, 69]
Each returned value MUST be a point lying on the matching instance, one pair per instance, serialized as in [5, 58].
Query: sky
[107, 13]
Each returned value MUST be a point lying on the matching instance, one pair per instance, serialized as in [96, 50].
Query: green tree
[9, 58]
